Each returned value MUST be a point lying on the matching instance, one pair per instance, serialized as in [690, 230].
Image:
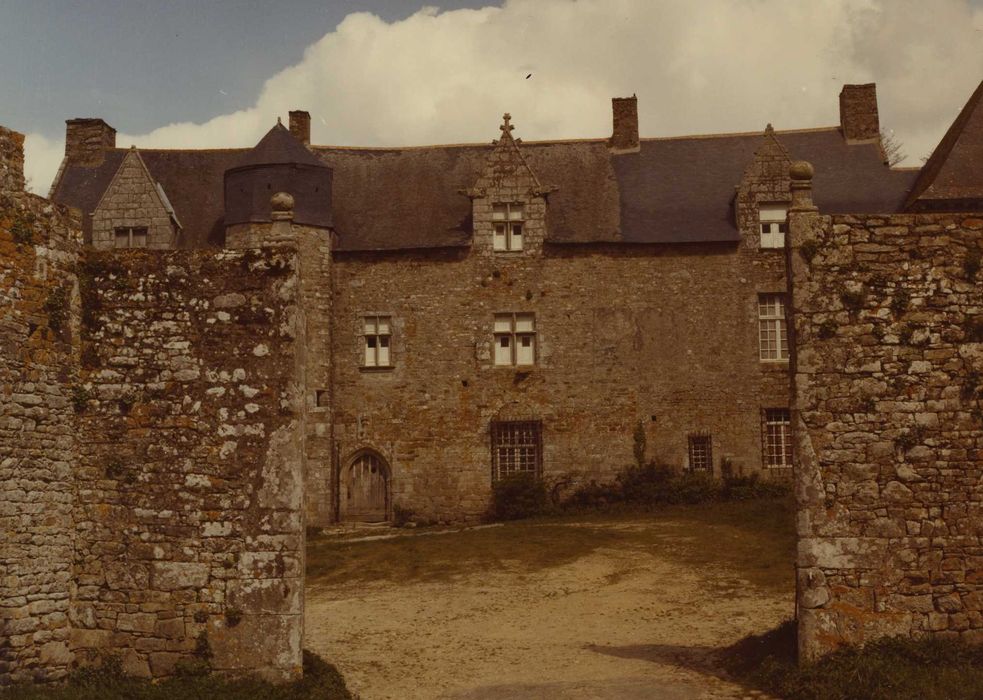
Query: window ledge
[373, 369]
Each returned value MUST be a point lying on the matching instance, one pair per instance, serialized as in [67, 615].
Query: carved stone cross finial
[506, 126]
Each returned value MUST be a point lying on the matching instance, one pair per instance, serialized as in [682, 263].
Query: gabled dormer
[763, 195]
[134, 211]
[508, 201]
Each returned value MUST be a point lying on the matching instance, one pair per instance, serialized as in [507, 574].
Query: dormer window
[507, 220]
[131, 237]
[774, 225]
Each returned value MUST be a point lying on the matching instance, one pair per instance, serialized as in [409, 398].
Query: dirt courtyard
[627, 607]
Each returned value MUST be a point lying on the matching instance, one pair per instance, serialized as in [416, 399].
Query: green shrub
[22, 232]
[827, 329]
[521, 495]
[746, 488]
[886, 669]
[655, 484]
[853, 300]
[809, 249]
[402, 516]
[900, 301]
[321, 681]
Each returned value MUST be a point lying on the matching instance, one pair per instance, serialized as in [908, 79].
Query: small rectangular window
[772, 327]
[700, 452]
[507, 219]
[777, 437]
[377, 341]
[515, 339]
[516, 448]
[773, 220]
[130, 237]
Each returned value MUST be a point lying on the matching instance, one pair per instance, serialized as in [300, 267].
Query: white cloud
[711, 66]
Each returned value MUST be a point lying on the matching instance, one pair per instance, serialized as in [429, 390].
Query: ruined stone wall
[889, 399]
[666, 336]
[190, 472]
[38, 366]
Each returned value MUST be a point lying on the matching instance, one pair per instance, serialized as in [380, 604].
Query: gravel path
[618, 624]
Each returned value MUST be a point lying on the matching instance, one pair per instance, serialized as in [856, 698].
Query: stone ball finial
[282, 202]
[801, 170]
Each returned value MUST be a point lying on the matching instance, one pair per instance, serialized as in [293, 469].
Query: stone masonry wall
[39, 245]
[190, 474]
[663, 335]
[888, 380]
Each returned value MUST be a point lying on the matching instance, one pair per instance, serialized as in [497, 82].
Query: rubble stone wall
[39, 244]
[665, 336]
[190, 473]
[888, 382]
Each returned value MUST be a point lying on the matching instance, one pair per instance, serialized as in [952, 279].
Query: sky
[218, 73]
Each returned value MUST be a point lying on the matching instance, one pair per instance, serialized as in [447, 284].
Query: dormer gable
[508, 200]
[763, 194]
[134, 211]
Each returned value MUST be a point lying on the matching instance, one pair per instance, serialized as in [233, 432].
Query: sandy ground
[616, 624]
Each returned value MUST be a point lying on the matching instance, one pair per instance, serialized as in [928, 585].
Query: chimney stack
[11, 161]
[87, 140]
[300, 126]
[858, 113]
[624, 137]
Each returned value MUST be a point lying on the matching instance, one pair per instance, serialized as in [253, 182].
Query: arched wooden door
[365, 489]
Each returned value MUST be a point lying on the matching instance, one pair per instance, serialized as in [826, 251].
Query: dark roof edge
[935, 161]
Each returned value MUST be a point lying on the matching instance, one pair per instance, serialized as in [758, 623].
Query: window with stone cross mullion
[515, 339]
[377, 339]
[507, 221]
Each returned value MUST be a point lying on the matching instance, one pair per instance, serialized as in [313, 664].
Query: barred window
[516, 448]
[131, 237]
[507, 220]
[377, 338]
[777, 438]
[772, 330]
[515, 339]
[700, 452]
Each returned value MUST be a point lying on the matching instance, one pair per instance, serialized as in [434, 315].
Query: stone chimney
[300, 126]
[624, 137]
[87, 140]
[11, 161]
[858, 113]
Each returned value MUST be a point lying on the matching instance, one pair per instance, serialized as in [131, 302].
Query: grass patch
[888, 669]
[321, 681]
[754, 540]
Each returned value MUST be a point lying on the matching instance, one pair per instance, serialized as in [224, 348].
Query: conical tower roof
[280, 147]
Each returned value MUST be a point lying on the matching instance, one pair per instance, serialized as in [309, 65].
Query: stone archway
[365, 488]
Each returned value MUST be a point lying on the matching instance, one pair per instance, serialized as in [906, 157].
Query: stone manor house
[488, 309]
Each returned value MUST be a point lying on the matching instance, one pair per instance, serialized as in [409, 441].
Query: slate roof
[954, 171]
[674, 190]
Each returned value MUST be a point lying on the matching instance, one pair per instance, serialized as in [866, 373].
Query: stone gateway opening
[365, 489]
